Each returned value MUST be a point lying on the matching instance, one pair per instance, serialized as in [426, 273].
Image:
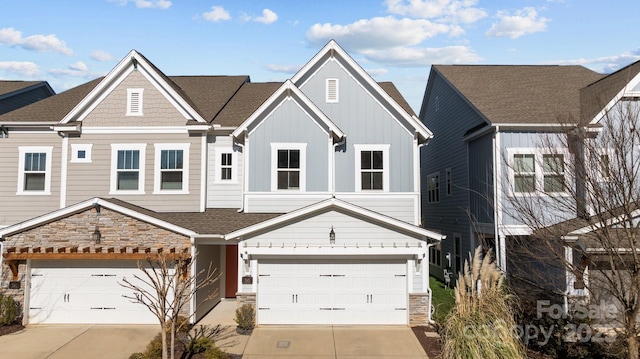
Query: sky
[70, 42]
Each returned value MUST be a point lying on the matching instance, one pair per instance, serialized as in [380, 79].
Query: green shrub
[9, 310]
[137, 356]
[154, 348]
[245, 317]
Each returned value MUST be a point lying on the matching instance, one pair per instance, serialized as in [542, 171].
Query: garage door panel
[332, 292]
[84, 292]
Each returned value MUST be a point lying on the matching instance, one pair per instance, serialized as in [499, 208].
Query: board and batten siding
[156, 109]
[481, 179]
[364, 121]
[87, 180]
[449, 117]
[288, 124]
[17, 208]
[536, 141]
[222, 194]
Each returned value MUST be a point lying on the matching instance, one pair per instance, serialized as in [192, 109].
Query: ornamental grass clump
[481, 324]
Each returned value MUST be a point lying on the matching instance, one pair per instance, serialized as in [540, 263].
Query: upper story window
[134, 102]
[81, 153]
[225, 164]
[435, 254]
[34, 175]
[288, 162]
[372, 167]
[457, 249]
[448, 181]
[171, 168]
[533, 171]
[127, 168]
[332, 94]
[433, 188]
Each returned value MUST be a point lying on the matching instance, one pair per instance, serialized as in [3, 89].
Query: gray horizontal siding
[481, 179]
[14, 208]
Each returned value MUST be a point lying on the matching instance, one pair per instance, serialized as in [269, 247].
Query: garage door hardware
[66, 298]
[294, 298]
[102, 308]
[332, 275]
[333, 308]
[401, 308]
[103, 275]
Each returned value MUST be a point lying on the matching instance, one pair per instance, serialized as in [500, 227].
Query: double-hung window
[226, 166]
[127, 168]
[433, 188]
[372, 167]
[171, 168]
[288, 161]
[34, 176]
[534, 171]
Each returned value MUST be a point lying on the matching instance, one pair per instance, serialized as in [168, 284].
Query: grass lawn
[443, 299]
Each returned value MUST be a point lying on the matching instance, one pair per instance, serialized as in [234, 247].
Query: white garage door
[335, 292]
[84, 292]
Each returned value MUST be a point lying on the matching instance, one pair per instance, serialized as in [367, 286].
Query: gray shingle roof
[250, 96]
[521, 94]
[8, 86]
[395, 94]
[211, 221]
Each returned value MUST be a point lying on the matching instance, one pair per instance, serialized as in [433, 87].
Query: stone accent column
[245, 298]
[7, 277]
[418, 309]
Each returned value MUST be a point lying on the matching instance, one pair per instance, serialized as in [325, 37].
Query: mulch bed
[431, 344]
[8, 329]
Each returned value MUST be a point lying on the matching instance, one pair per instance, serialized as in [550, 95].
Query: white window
[127, 168]
[288, 164]
[332, 91]
[532, 171]
[134, 102]
[457, 250]
[226, 166]
[448, 180]
[603, 165]
[372, 167]
[34, 173]
[81, 153]
[171, 168]
[433, 188]
[435, 254]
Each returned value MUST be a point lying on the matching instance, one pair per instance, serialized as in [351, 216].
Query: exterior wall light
[332, 236]
[96, 235]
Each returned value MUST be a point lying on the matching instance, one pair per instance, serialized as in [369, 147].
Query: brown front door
[231, 270]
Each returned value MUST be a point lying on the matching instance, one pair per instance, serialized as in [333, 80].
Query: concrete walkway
[76, 341]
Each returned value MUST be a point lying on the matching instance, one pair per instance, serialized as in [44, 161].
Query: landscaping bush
[245, 317]
[9, 310]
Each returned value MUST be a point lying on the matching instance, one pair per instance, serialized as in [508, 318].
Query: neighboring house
[303, 194]
[493, 126]
[15, 94]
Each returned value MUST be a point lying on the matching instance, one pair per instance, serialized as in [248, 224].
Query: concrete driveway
[268, 342]
[77, 341]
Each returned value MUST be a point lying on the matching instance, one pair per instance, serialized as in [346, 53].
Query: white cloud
[40, 43]
[376, 33]
[78, 69]
[417, 57]
[101, 56]
[285, 69]
[377, 72]
[146, 4]
[454, 11]
[268, 17]
[20, 68]
[217, 13]
[605, 64]
[522, 22]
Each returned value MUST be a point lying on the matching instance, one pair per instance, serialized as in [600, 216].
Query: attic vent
[134, 102]
[332, 90]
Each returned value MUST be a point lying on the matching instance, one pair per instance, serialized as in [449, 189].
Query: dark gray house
[15, 94]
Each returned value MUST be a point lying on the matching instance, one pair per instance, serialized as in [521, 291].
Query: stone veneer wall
[75, 230]
[418, 309]
[245, 298]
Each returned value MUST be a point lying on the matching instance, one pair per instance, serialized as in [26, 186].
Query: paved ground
[266, 342]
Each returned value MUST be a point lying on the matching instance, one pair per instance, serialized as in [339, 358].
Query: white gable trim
[334, 203]
[336, 51]
[627, 90]
[291, 92]
[132, 62]
[79, 207]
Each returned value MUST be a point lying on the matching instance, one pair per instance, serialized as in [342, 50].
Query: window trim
[429, 176]
[302, 147]
[538, 154]
[457, 253]
[130, 92]
[610, 153]
[76, 147]
[328, 98]
[448, 181]
[435, 255]
[385, 166]
[217, 163]
[22, 151]
[159, 147]
[115, 147]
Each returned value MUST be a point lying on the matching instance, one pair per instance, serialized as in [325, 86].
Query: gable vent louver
[134, 102]
[332, 90]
